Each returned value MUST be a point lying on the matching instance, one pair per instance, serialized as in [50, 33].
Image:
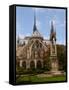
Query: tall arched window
[35, 45]
[36, 49]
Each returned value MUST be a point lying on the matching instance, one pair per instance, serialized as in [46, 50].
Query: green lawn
[36, 79]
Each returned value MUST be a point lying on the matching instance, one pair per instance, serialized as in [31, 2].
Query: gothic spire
[34, 28]
[36, 33]
[52, 27]
[53, 32]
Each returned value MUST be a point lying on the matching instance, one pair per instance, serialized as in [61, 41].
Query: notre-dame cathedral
[34, 50]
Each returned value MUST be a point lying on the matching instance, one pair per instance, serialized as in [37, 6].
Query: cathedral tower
[53, 49]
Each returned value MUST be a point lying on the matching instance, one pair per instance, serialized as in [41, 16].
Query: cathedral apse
[36, 55]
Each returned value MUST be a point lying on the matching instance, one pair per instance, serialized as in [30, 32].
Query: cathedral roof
[36, 34]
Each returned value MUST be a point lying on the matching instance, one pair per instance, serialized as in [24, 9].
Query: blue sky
[25, 22]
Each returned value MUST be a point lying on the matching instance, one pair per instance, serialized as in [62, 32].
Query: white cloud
[21, 36]
[28, 34]
[46, 37]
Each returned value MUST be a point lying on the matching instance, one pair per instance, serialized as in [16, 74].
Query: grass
[36, 79]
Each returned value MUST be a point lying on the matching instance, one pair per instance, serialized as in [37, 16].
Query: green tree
[61, 54]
